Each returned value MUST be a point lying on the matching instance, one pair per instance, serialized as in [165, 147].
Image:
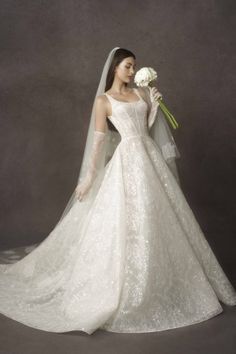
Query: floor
[214, 336]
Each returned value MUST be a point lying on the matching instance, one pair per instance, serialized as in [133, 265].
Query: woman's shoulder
[101, 99]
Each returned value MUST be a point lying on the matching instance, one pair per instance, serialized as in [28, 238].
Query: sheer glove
[84, 186]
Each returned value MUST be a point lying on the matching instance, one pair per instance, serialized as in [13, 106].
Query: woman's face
[126, 69]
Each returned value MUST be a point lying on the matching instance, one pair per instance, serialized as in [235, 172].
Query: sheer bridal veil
[159, 131]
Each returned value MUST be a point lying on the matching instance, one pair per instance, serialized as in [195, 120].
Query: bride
[127, 254]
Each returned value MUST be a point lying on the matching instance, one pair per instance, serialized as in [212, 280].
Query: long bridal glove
[85, 185]
[153, 95]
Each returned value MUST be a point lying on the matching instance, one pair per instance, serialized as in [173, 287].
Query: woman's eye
[128, 67]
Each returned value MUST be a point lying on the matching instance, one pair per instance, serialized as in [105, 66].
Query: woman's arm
[96, 152]
[101, 113]
[150, 97]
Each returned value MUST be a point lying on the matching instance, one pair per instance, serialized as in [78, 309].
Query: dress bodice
[129, 118]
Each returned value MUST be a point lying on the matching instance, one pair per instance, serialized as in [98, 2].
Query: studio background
[52, 54]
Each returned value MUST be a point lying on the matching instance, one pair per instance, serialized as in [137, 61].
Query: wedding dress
[135, 261]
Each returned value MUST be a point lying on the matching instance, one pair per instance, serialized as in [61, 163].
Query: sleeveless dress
[136, 262]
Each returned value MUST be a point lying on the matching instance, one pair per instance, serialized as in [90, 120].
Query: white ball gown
[136, 262]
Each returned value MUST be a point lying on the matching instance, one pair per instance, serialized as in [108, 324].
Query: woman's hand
[154, 94]
[82, 189]
[93, 162]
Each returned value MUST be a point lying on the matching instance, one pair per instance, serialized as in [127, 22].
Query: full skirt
[135, 261]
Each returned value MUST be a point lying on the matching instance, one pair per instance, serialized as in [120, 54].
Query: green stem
[170, 116]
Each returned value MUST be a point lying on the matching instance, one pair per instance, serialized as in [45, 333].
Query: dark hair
[119, 56]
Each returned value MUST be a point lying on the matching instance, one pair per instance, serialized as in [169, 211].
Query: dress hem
[201, 319]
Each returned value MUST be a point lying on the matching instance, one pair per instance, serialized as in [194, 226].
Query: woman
[127, 255]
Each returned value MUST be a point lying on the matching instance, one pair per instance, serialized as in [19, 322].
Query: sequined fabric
[135, 261]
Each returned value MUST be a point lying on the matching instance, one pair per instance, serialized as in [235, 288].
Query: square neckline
[134, 90]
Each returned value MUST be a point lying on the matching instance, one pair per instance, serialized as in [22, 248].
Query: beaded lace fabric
[135, 261]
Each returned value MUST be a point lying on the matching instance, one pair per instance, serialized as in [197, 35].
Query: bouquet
[144, 77]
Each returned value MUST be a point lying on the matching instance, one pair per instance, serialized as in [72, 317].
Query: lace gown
[138, 261]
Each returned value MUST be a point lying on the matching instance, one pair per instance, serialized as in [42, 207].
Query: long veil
[159, 131]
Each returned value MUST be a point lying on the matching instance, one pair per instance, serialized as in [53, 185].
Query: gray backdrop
[52, 54]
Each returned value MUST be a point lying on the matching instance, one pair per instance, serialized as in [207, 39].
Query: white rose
[144, 76]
